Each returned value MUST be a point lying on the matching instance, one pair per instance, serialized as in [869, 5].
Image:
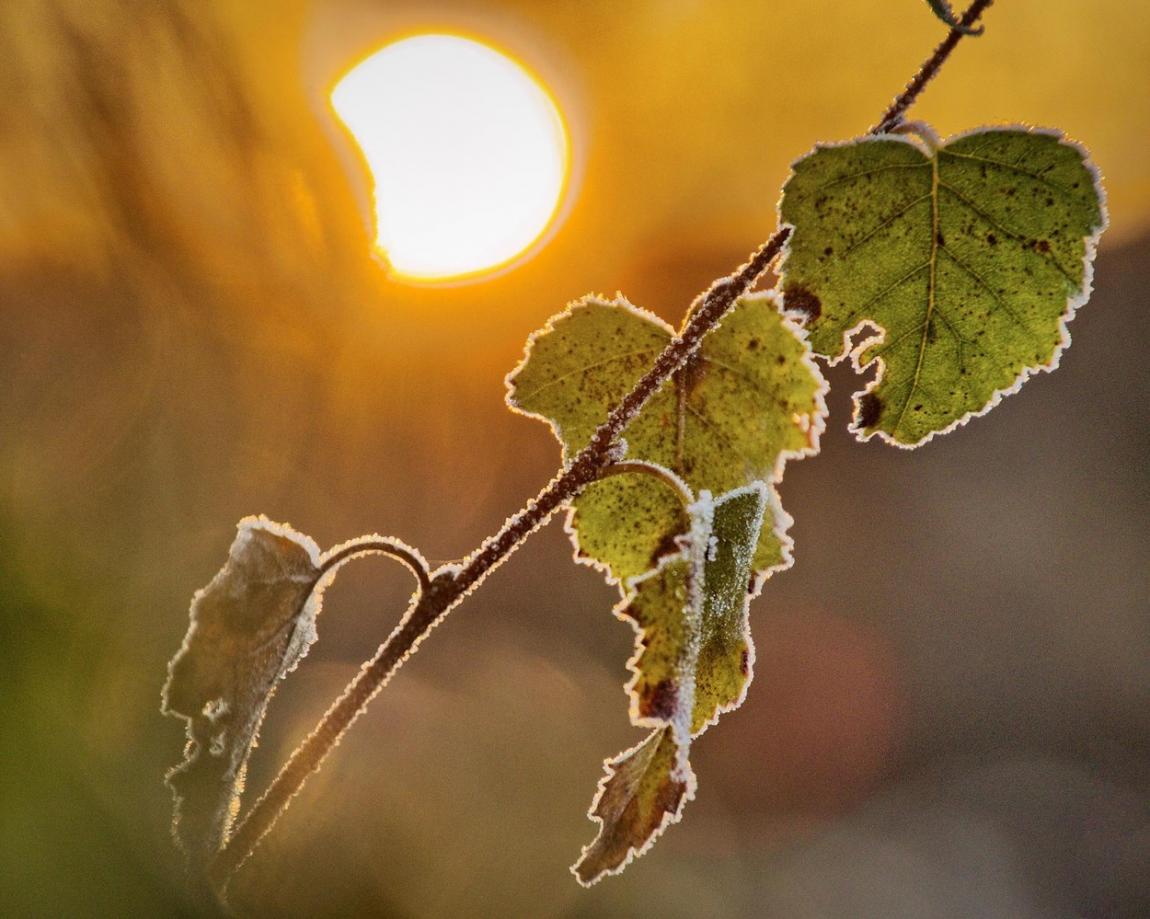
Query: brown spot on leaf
[803, 301]
[869, 410]
[667, 797]
[660, 700]
[666, 546]
[992, 239]
[1042, 245]
[745, 662]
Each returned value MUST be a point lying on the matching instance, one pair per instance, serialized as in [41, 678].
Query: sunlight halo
[468, 153]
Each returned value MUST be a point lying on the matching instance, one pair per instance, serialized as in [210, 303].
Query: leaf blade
[641, 794]
[692, 661]
[746, 403]
[248, 628]
[969, 259]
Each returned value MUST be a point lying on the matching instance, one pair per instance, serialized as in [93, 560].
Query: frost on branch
[249, 627]
[749, 399]
[692, 661]
[969, 258]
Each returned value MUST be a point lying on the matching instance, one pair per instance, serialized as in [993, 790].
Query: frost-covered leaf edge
[862, 339]
[782, 520]
[299, 644]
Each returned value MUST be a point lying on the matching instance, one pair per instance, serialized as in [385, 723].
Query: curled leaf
[692, 661]
[726, 655]
[249, 627]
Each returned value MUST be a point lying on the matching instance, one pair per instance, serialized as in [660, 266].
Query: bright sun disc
[467, 151]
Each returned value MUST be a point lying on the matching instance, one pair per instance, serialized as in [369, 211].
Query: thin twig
[449, 585]
[930, 68]
[382, 545]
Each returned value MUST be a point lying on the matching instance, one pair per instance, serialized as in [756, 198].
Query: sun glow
[467, 150]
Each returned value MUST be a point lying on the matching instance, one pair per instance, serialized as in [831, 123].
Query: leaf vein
[647, 352]
[998, 225]
[1013, 167]
[886, 223]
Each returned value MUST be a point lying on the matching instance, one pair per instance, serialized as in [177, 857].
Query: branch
[451, 584]
[930, 67]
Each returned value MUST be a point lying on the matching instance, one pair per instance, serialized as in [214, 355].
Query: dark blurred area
[951, 710]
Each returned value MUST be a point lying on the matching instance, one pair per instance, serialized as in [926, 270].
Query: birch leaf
[726, 654]
[692, 661]
[642, 793]
[249, 627]
[969, 258]
[747, 401]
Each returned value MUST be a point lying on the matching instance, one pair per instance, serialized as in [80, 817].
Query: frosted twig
[930, 67]
[379, 545]
[449, 585]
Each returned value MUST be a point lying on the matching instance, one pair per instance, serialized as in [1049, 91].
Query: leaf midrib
[932, 287]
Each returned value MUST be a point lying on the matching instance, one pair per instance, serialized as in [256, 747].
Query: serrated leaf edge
[859, 346]
[548, 327]
[685, 774]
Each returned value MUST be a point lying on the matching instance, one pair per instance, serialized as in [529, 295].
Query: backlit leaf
[726, 654]
[692, 661]
[969, 258]
[249, 627]
[749, 400]
[643, 791]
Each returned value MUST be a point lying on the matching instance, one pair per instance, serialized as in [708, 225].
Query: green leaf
[726, 654]
[692, 661]
[249, 627]
[969, 258]
[749, 400]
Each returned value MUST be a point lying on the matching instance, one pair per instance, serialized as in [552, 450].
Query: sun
[467, 150]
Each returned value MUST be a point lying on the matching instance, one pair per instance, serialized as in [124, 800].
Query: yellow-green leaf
[968, 257]
[749, 399]
[692, 661]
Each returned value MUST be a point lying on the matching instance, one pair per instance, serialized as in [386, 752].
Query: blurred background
[951, 715]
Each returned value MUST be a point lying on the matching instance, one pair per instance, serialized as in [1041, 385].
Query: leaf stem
[666, 476]
[449, 585]
[378, 545]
